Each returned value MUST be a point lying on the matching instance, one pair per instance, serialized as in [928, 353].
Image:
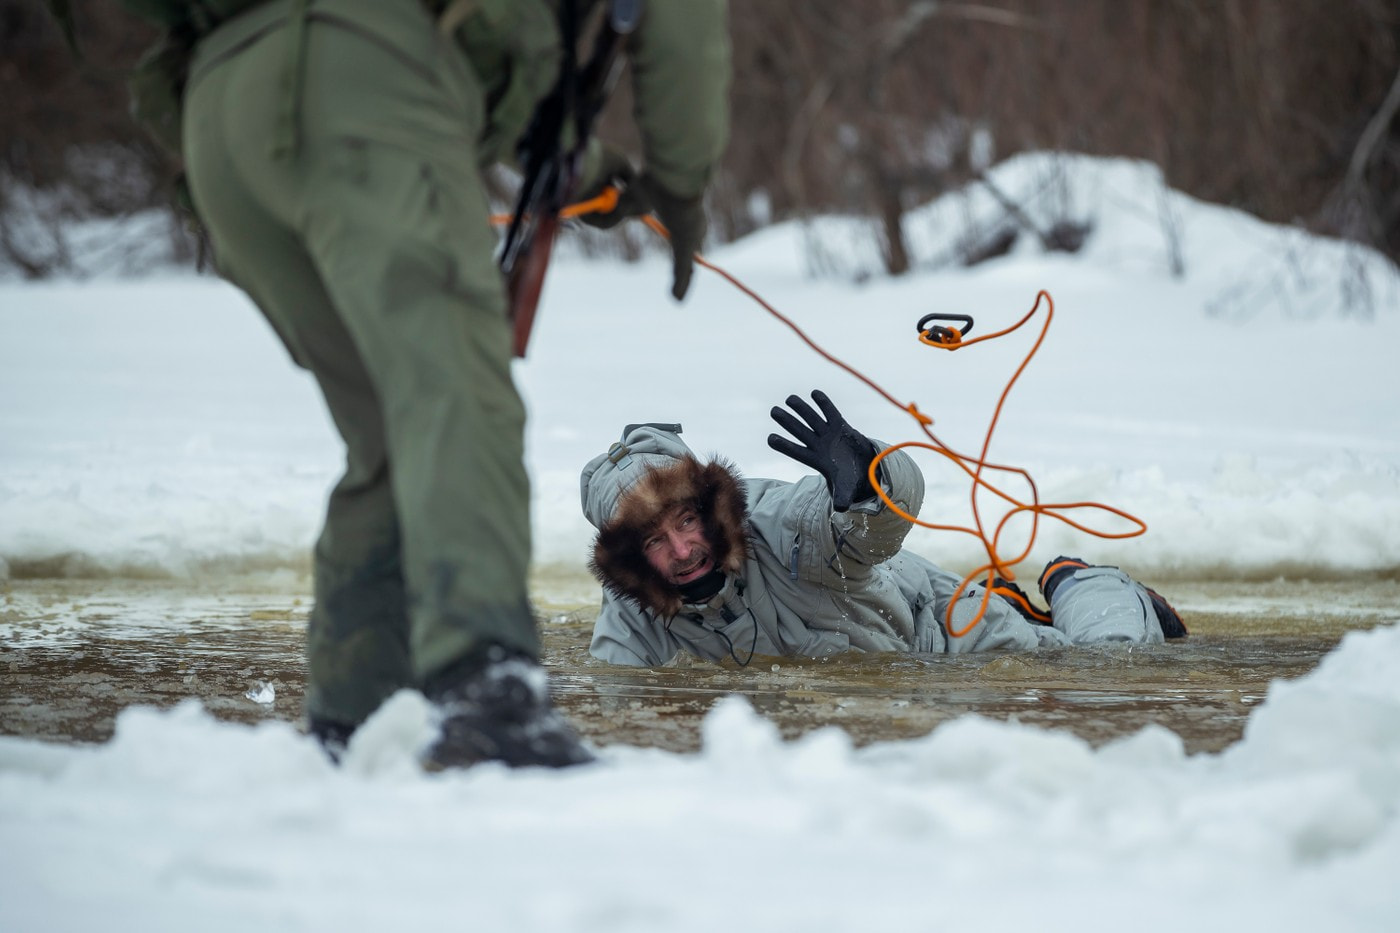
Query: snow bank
[184, 821]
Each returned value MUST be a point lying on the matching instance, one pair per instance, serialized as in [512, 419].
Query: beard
[693, 567]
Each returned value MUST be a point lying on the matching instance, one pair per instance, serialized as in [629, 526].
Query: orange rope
[996, 564]
[974, 467]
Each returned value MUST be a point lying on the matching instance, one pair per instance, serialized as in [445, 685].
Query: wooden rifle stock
[550, 172]
[526, 281]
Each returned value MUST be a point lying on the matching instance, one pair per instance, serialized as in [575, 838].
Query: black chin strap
[699, 591]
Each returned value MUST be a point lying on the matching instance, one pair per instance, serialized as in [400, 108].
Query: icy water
[74, 653]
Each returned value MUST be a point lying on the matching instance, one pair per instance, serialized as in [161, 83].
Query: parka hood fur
[626, 492]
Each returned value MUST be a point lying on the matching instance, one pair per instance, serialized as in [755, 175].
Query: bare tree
[868, 108]
[69, 150]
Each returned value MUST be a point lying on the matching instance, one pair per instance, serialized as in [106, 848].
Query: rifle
[550, 173]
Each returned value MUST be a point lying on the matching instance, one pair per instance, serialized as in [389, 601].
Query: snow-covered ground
[1248, 410]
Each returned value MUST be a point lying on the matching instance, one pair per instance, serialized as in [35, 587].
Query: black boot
[333, 736]
[1167, 617]
[1055, 573]
[495, 706]
[1020, 601]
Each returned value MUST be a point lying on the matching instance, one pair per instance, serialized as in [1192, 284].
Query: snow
[1247, 410]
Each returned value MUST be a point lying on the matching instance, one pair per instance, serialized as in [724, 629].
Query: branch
[1014, 209]
[902, 31]
[1373, 134]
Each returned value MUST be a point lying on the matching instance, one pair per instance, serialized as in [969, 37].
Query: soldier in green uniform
[334, 151]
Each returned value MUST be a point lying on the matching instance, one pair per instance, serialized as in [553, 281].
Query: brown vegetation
[870, 107]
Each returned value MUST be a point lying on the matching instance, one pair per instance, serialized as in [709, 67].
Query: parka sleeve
[680, 83]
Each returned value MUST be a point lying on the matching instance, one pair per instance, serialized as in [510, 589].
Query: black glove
[831, 447]
[684, 220]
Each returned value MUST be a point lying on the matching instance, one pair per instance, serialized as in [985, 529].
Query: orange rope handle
[974, 467]
[604, 203]
[951, 342]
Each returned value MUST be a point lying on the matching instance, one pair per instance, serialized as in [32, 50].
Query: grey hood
[627, 490]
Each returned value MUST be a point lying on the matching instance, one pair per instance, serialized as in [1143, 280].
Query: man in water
[695, 558]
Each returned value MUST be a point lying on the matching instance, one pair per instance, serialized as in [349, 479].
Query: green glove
[684, 220]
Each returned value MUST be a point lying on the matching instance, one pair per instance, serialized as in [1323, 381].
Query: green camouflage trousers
[369, 249]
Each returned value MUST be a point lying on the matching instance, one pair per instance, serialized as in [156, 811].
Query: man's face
[677, 549]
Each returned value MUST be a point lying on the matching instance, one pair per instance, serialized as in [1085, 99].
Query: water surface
[74, 653]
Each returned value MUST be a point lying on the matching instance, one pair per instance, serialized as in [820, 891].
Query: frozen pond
[77, 652]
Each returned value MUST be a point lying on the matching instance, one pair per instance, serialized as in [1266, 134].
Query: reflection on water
[1202, 689]
[74, 653]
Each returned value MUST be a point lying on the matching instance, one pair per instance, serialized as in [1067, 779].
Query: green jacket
[679, 56]
[680, 69]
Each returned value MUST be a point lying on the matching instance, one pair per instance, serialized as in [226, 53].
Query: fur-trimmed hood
[626, 490]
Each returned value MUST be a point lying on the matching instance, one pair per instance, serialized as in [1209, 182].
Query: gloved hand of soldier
[829, 445]
[608, 166]
[684, 220]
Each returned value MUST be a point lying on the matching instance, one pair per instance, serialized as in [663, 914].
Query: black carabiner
[945, 334]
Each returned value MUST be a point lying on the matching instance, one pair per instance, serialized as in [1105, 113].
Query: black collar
[699, 591]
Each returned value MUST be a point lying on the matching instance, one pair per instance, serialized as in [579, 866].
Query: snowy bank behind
[1245, 409]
